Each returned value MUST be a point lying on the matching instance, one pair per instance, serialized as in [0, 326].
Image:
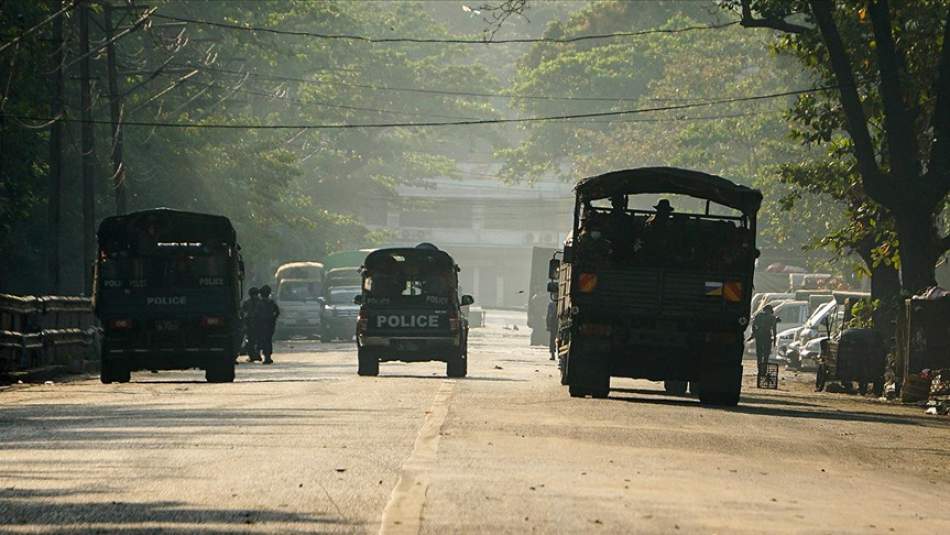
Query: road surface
[306, 446]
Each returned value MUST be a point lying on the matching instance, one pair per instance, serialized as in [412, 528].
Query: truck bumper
[414, 349]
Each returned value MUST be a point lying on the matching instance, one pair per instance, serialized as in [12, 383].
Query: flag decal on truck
[713, 288]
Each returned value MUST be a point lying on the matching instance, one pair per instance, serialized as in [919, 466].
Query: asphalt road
[306, 446]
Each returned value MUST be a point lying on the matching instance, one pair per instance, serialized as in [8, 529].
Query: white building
[489, 228]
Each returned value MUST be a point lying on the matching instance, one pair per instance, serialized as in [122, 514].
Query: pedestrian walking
[265, 321]
[248, 309]
[764, 331]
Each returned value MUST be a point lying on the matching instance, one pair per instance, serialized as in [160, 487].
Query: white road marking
[403, 512]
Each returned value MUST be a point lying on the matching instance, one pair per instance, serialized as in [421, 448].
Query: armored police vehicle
[167, 291]
[659, 294]
[410, 310]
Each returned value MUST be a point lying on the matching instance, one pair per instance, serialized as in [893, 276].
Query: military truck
[657, 294]
[167, 291]
[410, 310]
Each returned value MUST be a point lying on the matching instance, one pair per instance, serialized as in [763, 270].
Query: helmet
[253, 291]
[265, 291]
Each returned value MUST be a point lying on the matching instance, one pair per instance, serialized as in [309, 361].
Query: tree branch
[939, 167]
[875, 184]
[898, 120]
[782, 25]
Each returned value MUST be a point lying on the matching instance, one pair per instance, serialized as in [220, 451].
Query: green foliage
[291, 194]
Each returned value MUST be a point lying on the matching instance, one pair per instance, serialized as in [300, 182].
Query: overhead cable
[516, 120]
[39, 25]
[425, 40]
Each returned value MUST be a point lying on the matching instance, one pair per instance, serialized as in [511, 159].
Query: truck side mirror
[358, 299]
[568, 254]
[552, 287]
[553, 266]
[467, 300]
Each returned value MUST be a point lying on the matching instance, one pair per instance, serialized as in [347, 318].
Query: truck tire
[367, 365]
[675, 388]
[722, 388]
[114, 372]
[457, 366]
[325, 335]
[590, 378]
[220, 372]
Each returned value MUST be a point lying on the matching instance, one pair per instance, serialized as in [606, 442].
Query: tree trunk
[886, 289]
[918, 249]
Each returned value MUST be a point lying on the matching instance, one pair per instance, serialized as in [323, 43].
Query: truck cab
[410, 310]
[660, 294]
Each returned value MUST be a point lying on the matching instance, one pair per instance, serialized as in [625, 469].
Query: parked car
[812, 329]
[791, 315]
[809, 354]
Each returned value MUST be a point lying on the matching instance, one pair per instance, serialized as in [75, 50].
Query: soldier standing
[248, 309]
[764, 332]
[552, 328]
[265, 321]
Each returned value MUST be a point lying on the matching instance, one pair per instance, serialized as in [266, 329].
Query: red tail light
[212, 321]
[453, 321]
[361, 322]
[120, 325]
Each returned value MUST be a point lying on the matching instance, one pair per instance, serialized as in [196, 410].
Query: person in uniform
[265, 321]
[248, 309]
[552, 328]
[764, 331]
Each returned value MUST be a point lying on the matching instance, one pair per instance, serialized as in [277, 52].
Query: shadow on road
[779, 407]
[71, 511]
[113, 426]
[469, 378]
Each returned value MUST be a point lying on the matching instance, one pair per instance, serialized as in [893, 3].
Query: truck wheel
[367, 365]
[590, 378]
[220, 372]
[457, 366]
[107, 372]
[723, 388]
[325, 335]
[675, 388]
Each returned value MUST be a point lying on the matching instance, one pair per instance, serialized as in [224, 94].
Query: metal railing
[38, 332]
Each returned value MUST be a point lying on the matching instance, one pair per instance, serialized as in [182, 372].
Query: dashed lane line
[403, 512]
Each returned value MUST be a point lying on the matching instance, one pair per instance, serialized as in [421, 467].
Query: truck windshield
[175, 268]
[343, 296]
[299, 291]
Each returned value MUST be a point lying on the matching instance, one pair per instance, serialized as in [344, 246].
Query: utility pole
[54, 208]
[88, 148]
[115, 107]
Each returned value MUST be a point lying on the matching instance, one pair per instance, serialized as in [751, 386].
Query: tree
[890, 67]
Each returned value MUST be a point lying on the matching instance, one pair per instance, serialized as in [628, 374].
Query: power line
[39, 25]
[344, 126]
[423, 40]
[325, 104]
[449, 92]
